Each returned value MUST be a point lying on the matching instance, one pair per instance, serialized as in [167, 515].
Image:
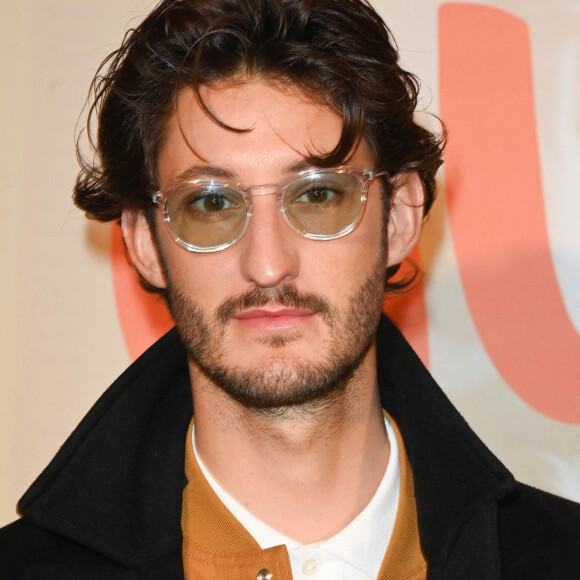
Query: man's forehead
[256, 90]
[253, 106]
[251, 123]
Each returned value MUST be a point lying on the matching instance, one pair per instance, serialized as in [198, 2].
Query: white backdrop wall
[61, 340]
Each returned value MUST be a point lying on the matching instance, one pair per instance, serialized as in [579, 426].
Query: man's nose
[269, 247]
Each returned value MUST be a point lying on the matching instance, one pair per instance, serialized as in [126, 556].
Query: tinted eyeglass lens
[323, 204]
[206, 216]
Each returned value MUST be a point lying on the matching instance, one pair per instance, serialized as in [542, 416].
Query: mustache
[284, 295]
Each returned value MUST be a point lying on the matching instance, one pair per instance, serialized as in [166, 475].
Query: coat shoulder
[539, 535]
[28, 552]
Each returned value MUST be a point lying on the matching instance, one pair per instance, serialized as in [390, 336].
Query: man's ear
[405, 217]
[141, 247]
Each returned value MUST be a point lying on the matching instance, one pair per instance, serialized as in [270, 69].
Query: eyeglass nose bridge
[249, 193]
[266, 189]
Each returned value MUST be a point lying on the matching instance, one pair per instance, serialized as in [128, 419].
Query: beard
[283, 383]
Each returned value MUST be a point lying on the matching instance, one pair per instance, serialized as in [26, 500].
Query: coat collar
[115, 485]
[124, 463]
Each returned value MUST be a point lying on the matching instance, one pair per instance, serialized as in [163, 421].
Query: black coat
[109, 505]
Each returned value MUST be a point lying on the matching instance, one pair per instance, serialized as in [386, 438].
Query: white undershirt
[354, 553]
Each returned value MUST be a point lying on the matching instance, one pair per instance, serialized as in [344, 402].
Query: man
[269, 177]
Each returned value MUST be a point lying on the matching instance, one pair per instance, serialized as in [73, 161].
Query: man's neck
[305, 472]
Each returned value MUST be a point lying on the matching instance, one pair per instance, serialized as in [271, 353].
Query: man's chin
[283, 383]
[276, 357]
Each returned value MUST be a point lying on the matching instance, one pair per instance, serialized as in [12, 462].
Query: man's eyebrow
[298, 166]
[204, 171]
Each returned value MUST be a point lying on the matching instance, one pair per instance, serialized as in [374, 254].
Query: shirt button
[264, 575]
[309, 567]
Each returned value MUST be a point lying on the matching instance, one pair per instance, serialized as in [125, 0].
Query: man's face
[276, 320]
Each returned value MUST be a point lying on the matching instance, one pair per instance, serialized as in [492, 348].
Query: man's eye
[211, 203]
[317, 195]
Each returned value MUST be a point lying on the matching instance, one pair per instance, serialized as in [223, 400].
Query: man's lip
[272, 319]
[257, 313]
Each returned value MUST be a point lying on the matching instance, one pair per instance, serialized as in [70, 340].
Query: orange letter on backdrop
[496, 209]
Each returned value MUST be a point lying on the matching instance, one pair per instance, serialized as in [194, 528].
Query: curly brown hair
[338, 52]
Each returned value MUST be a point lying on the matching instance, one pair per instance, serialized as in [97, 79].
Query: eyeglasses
[208, 215]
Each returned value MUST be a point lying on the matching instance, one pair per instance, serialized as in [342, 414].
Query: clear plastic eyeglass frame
[364, 178]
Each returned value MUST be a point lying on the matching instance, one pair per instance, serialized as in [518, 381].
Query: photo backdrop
[496, 318]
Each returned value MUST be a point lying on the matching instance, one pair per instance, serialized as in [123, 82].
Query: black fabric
[109, 504]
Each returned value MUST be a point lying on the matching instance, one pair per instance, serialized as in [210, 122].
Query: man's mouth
[266, 303]
[273, 318]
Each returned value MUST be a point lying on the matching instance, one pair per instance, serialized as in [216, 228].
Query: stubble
[284, 383]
